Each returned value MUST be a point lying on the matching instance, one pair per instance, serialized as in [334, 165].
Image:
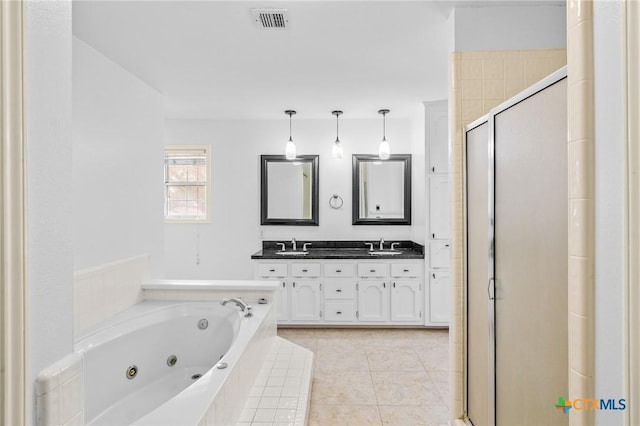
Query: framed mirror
[381, 190]
[289, 190]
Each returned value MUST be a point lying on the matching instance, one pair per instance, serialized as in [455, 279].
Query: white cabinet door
[439, 220]
[439, 254]
[282, 301]
[438, 141]
[373, 300]
[406, 301]
[305, 300]
[439, 297]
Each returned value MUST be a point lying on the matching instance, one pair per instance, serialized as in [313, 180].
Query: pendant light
[384, 152]
[337, 150]
[290, 148]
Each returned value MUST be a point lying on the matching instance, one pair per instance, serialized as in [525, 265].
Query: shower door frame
[490, 118]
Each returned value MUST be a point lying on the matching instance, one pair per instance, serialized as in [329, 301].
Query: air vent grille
[271, 19]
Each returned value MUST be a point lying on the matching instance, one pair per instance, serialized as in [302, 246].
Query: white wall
[510, 28]
[49, 262]
[609, 160]
[118, 200]
[226, 244]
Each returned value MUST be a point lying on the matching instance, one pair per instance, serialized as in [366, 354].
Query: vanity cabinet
[348, 292]
[305, 300]
[277, 271]
[373, 301]
[406, 301]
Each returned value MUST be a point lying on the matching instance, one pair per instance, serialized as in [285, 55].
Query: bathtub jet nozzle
[132, 371]
[244, 306]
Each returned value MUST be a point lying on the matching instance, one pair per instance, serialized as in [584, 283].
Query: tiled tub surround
[340, 250]
[60, 388]
[101, 292]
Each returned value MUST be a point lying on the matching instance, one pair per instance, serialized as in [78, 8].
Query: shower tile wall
[480, 81]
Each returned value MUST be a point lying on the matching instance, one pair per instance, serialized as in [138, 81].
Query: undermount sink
[384, 253]
[292, 253]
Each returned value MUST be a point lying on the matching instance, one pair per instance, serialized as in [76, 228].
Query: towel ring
[335, 201]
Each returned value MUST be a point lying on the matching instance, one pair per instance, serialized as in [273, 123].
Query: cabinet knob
[338, 290]
[433, 169]
[384, 285]
[338, 270]
[434, 275]
[272, 270]
[372, 270]
[339, 313]
[405, 270]
[305, 270]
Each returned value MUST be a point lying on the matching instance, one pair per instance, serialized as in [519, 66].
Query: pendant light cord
[290, 126]
[337, 129]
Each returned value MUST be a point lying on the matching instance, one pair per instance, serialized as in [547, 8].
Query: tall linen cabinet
[516, 259]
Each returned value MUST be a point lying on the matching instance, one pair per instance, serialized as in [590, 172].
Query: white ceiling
[209, 61]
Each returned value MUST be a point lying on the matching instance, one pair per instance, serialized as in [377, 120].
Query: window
[186, 181]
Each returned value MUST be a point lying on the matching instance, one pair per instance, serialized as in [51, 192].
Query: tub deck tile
[281, 392]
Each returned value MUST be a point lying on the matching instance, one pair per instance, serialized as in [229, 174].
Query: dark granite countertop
[340, 250]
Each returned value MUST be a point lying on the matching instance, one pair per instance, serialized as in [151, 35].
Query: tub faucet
[294, 244]
[244, 306]
[381, 243]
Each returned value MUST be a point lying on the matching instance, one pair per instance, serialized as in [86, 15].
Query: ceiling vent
[271, 19]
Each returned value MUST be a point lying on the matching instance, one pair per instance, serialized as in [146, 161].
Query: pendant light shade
[290, 148]
[337, 150]
[384, 151]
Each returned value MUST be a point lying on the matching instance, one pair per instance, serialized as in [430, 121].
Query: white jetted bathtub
[173, 363]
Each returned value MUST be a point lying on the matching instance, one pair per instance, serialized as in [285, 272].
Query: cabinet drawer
[402, 270]
[305, 269]
[272, 270]
[373, 270]
[339, 270]
[339, 289]
[339, 311]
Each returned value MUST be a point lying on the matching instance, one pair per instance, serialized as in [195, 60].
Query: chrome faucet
[244, 306]
[294, 244]
[381, 243]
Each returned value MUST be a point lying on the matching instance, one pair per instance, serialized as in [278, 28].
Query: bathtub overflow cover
[222, 365]
[203, 323]
[171, 361]
[132, 371]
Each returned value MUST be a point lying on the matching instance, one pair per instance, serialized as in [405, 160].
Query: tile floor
[377, 377]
